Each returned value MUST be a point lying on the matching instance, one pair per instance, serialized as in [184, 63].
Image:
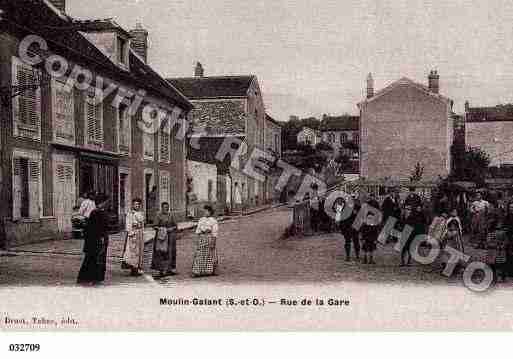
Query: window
[27, 185]
[122, 51]
[124, 129]
[276, 143]
[343, 138]
[63, 113]
[94, 119]
[27, 106]
[331, 137]
[356, 138]
[164, 141]
[165, 187]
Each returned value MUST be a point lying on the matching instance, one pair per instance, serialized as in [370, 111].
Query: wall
[492, 137]
[401, 128]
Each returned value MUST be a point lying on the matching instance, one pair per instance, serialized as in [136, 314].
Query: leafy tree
[323, 146]
[471, 165]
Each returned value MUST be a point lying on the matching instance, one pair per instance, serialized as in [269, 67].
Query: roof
[340, 123]
[99, 25]
[489, 114]
[402, 82]
[270, 119]
[26, 17]
[196, 88]
[219, 117]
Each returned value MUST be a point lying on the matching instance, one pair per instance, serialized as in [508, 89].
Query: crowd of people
[92, 216]
[490, 225]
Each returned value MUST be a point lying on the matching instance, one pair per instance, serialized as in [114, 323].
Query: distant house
[404, 124]
[342, 133]
[224, 107]
[491, 129]
[309, 136]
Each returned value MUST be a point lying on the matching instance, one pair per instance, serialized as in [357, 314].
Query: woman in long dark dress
[164, 247]
[95, 246]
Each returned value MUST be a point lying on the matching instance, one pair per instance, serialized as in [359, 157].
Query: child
[369, 235]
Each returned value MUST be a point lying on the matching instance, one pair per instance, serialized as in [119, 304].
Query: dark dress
[95, 248]
[164, 249]
[370, 235]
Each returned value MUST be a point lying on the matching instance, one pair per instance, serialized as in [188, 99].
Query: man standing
[479, 209]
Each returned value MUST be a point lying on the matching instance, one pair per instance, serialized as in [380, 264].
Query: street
[251, 250]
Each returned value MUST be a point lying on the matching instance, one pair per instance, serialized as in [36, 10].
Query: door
[124, 194]
[64, 190]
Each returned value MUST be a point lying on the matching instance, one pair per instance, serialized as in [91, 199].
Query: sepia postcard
[256, 165]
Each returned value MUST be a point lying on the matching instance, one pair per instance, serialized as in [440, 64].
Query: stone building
[491, 129]
[404, 124]
[225, 107]
[80, 127]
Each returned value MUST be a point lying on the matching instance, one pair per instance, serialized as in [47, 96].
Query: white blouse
[134, 221]
[207, 224]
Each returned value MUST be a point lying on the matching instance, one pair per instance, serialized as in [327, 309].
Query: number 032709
[24, 347]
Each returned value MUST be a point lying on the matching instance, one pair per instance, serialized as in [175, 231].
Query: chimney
[467, 106]
[370, 86]
[139, 41]
[198, 71]
[433, 81]
[59, 4]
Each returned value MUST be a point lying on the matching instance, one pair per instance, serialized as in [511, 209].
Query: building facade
[309, 136]
[404, 124]
[226, 107]
[491, 129]
[82, 128]
[273, 144]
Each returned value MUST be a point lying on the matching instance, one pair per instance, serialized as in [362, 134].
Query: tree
[417, 173]
[471, 165]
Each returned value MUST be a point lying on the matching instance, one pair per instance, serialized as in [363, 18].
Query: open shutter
[27, 105]
[94, 119]
[165, 142]
[34, 188]
[63, 113]
[164, 187]
[17, 188]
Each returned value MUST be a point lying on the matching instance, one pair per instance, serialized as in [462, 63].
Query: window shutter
[34, 188]
[124, 130]
[63, 113]
[26, 106]
[16, 200]
[94, 122]
[165, 142]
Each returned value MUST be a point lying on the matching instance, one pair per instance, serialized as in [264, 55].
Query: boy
[369, 235]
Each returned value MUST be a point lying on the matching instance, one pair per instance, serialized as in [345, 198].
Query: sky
[312, 57]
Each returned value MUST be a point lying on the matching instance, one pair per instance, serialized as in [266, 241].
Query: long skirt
[164, 260]
[94, 266]
[133, 253]
[205, 255]
[479, 227]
